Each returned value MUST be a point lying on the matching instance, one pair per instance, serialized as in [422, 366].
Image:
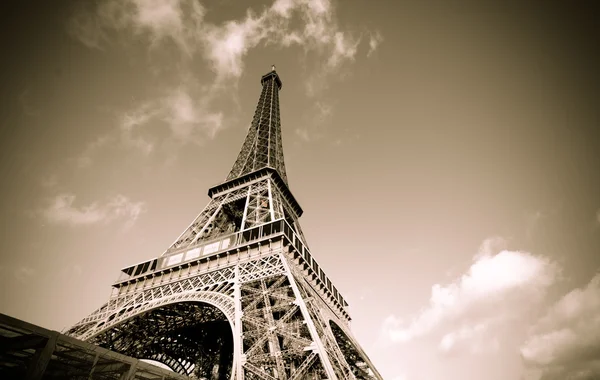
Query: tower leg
[319, 348]
[238, 357]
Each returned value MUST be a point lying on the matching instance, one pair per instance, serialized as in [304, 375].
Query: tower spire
[263, 145]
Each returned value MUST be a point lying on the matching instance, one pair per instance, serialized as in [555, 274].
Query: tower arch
[190, 333]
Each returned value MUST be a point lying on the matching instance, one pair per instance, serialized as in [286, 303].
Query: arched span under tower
[191, 338]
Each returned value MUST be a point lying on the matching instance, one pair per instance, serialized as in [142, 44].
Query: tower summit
[238, 295]
[263, 146]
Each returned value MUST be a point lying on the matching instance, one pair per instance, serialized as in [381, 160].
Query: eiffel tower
[238, 295]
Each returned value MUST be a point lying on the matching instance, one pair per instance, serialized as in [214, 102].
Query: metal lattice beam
[263, 145]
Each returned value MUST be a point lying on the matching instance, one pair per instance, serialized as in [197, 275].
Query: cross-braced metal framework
[263, 145]
[238, 295]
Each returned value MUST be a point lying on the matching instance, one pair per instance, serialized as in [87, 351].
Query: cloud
[62, 211]
[49, 181]
[375, 39]
[496, 289]
[472, 338]
[85, 158]
[303, 134]
[26, 105]
[158, 20]
[532, 221]
[86, 27]
[318, 117]
[310, 24]
[565, 342]
[344, 48]
[187, 119]
[131, 120]
[24, 273]
[190, 115]
[226, 45]
[71, 270]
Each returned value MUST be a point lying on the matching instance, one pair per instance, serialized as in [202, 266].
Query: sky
[445, 154]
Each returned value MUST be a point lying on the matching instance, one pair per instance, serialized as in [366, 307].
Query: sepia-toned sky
[446, 155]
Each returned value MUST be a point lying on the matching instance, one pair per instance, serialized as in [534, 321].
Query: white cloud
[496, 289]
[532, 221]
[28, 108]
[49, 181]
[375, 39]
[303, 134]
[63, 211]
[472, 338]
[565, 342]
[85, 26]
[85, 158]
[131, 120]
[223, 45]
[308, 24]
[159, 20]
[283, 7]
[70, 271]
[316, 120]
[226, 45]
[188, 119]
[344, 48]
[24, 273]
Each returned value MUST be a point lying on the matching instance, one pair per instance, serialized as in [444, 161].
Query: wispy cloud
[85, 158]
[158, 20]
[319, 115]
[310, 24]
[302, 133]
[49, 181]
[24, 273]
[187, 118]
[62, 210]
[26, 105]
[344, 48]
[227, 44]
[190, 120]
[565, 342]
[375, 39]
[472, 338]
[324, 110]
[532, 220]
[86, 27]
[496, 288]
[71, 270]
[131, 120]
[192, 115]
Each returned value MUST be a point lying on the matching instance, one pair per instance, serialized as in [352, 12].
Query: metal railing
[208, 249]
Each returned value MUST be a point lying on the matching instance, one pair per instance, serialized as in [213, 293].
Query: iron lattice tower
[238, 295]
